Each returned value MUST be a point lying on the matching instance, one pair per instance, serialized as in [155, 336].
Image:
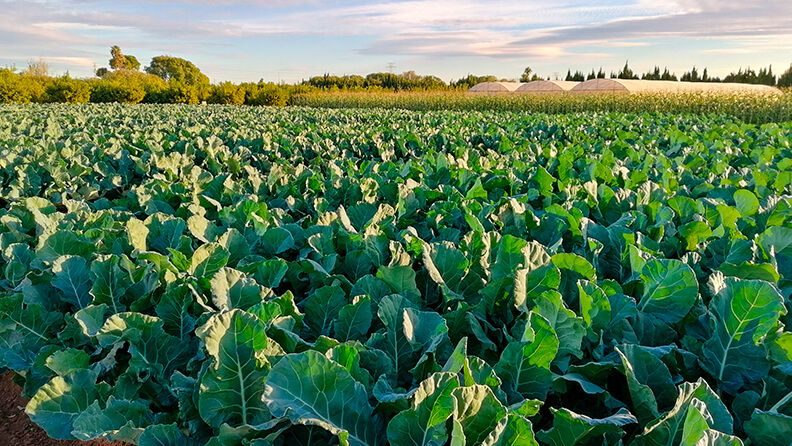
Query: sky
[280, 40]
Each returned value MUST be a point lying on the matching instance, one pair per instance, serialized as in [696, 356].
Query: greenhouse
[645, 86]
[543, 86]
[495, 87]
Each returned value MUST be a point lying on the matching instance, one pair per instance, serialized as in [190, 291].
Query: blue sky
[291, 40]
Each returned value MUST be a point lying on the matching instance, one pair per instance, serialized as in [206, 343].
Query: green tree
[653, 75]
[691, 76]
[121, 61]
[471, 80]
[117, 59]
[626, 72]
[667, 75]
[766, 76]
[177, 69]
[785, 80]
[132, 63]
[747, 76]
[528, 75]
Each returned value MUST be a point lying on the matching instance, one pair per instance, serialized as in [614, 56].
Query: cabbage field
[257, 276]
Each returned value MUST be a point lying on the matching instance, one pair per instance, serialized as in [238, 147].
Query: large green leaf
[310, 389]
[746, 202]
[477, 411]
[119, 420]
[175, 311]
[232, 289]
[650, 383]
[696, 430]
[407, 332]
[670, 290]
[401, 279]
[424, 423]
[354, 320]
[569, 328]
[110, 283]
[570, 428]
[743, 312]
[445, 264]
[513, 429]
[536, 274]
[668, 429]
[232, 386]
[163, 435]
[524, 365]
[24, 331]
[57, 404]
[62, 243]
[71, 276]
[322, 309]
[769, 428]
[276, 240]
[208, 259]
[152, 351]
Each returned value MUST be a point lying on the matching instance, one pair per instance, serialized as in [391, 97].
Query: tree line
[763, 76]
[169, 79]
[411, 81]
[166, 80]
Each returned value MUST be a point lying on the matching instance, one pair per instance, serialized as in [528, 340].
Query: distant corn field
[747, 107]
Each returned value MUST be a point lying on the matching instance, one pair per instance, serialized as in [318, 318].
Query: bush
[270, 94]
[148, 82]
[20, 89]
[177, 93]
[65, 89]
[11, 89]
[227, 93]
[113, 91]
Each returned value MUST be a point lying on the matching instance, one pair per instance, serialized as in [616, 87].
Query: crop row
[255, 276]
[747, 107]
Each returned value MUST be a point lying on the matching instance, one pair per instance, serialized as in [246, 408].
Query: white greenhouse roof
[646, 86]
[495, 87]
[546, 86]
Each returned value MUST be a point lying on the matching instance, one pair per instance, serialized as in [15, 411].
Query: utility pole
[391, 67]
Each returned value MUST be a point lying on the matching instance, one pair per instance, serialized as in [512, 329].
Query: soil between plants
[16, 429]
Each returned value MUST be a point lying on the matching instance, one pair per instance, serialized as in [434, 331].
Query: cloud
[429, 30]
[694, 19]
[70, 60]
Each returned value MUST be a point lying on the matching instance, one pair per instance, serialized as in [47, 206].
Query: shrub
[20, 89]
[65, 89]
[11, 89]
[227, 93]
[113, 91]
[270, 94]
[176, 93]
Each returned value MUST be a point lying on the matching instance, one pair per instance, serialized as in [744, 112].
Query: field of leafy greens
[251, 276]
